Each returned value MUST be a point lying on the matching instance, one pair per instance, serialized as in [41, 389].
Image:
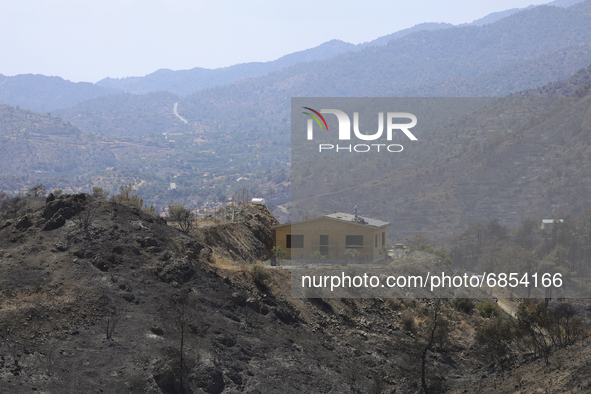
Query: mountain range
[241, 130]
[103, 296]
[42, 94]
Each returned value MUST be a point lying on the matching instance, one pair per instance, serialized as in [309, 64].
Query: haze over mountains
[524, 41]
[233, 123]
[40, 93]
[16, 90]
[89, 288]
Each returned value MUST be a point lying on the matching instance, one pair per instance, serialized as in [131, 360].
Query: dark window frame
[354, 241]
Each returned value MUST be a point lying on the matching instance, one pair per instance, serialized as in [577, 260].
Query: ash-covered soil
[89, 303]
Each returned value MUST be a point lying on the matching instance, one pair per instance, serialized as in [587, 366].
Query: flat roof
[345, 218]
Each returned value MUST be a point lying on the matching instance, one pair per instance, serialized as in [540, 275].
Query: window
[384, 238]
[354, 241]
[376, 239]
[324, 245]
[294, 241]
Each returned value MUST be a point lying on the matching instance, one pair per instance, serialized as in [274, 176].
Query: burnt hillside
[91, 290]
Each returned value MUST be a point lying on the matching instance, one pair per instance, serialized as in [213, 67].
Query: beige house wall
[337, 232]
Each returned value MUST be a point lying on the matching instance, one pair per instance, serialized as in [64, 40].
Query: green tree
[417, 240]
[99, 193]
[525, 236]
[182, 216]
[37, 191]
[351, 254]
[127, 196]
[260, 275]
[496, 340]
[318, 256]
[278, 253]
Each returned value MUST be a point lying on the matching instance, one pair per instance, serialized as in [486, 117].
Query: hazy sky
[84, 40]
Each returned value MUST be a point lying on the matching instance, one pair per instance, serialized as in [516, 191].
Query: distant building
[330, 236]
[172, 186]
[549, 222]
[257, 201]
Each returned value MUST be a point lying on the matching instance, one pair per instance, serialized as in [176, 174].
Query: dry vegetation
[82, 309]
